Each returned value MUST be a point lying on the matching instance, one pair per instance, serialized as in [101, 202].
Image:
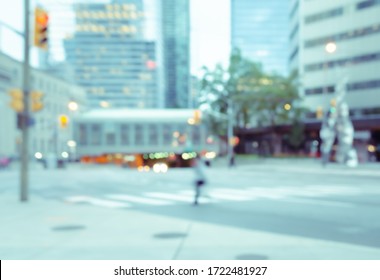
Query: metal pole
[25, 113]
[229, 134]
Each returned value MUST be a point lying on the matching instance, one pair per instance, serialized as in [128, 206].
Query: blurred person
[200, 177]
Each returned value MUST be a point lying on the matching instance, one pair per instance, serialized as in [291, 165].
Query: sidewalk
[303, 165]
[49, 229]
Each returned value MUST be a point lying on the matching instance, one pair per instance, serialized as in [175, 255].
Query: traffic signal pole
[230, 134]
[24, 125]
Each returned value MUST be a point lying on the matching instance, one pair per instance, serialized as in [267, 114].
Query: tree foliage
[255, 96]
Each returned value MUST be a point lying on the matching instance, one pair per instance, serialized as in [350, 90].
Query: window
[320, 90]
[366, 4]
[324, 15]
[343, 62]
[364, 85]
[357, 33]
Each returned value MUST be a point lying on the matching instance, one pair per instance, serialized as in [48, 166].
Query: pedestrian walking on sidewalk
[200, 177]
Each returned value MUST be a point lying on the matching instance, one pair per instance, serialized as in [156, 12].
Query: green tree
[269, 99]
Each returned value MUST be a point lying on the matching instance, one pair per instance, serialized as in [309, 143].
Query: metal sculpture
[337, 125]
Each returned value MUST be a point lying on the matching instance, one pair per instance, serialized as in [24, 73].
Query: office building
[176, 52]
[336, 40]
[110, 57]
[260, 30]
[46, 134]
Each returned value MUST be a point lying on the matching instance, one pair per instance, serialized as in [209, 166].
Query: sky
[210, 30]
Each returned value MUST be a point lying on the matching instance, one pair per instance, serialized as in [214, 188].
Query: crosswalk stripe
[97, 201]
[229, 196]
[175, 197]
[139, 199]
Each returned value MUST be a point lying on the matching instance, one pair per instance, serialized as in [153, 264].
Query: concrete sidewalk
[50, 229]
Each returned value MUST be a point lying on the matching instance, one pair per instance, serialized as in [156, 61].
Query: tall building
[260, 30]
[110, 57]
[336, 40]
[176, 52]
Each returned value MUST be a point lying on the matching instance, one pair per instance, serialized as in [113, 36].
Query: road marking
[175, 197]
[320, 202]
[96, 201]
[139, 199]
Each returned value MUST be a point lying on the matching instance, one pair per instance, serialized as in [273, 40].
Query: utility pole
[25, 112]
[230, 151]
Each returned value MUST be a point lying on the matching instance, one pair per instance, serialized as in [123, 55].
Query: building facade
[110, 57]
[260, 30]
[335, 40]
[176, 52]
[46, 135]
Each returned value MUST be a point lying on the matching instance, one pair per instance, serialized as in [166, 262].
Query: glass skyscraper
[110, 57]
[176, 52]
[260, 30]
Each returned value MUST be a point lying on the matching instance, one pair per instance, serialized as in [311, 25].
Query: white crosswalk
[215, 195]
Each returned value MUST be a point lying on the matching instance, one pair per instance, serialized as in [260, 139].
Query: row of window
[106, 60]
[365, 85]
[343, 62]
[367, 4]
[110, 15]
[339, 11]
[357, 33]
[108, 7]
[324, 15]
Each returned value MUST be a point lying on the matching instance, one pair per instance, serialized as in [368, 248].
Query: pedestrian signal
[319, 112]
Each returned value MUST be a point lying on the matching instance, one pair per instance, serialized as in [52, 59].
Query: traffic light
[197, 116]
[333, 106]
[63, 121]
[17, 102]
[319, 112]
[41, 21]
[37, 103]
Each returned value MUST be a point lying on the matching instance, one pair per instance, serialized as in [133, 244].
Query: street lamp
[73, 106]
[330, 47]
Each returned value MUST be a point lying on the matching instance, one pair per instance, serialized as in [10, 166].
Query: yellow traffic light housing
[41, 21]
[197, 116]
[319, 112]
[17, 102]
[63, 121]
[37, 104]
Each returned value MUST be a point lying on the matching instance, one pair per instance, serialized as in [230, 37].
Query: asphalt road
[334, 203]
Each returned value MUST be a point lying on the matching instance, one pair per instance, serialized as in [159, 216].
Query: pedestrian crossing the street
[216, 195]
